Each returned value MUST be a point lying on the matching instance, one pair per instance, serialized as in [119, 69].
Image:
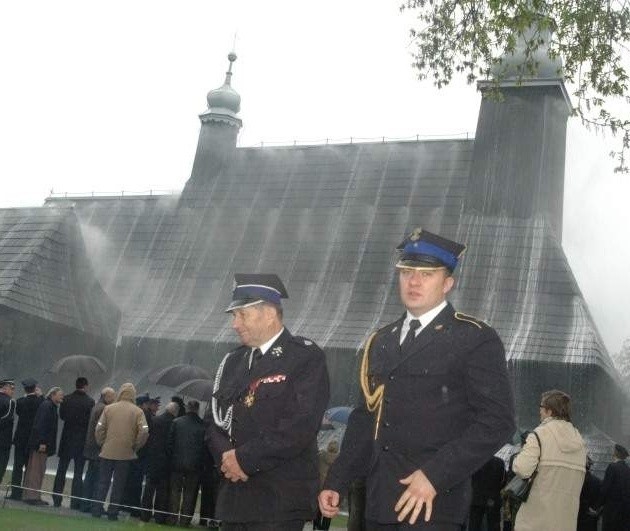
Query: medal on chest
[250, 397]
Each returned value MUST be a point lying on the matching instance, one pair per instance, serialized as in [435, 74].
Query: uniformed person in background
[437, 402]
[7, 412]
[25, 408]
[269, 399]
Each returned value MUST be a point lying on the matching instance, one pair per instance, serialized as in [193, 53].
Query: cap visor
[241, 303]
[419, 266]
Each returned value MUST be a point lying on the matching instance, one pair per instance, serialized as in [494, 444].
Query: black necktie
[414, 324]
[256, 357]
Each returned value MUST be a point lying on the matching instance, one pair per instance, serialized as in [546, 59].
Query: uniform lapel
[276, 351]
[427, 335]
[392, 345]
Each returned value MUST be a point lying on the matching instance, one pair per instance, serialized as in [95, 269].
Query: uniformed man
[269, 399]
[25, 408]
[7, 412]
[437, 402]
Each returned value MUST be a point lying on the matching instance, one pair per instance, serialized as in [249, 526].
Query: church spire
[224, 103]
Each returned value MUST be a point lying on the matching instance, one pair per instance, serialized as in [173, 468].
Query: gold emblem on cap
[249, 399]
[415, 234]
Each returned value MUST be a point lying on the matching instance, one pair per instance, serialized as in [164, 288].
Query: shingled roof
[44, 271]
[326, 219]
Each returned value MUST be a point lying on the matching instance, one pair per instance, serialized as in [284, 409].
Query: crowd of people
[154, 464]
[436, 405]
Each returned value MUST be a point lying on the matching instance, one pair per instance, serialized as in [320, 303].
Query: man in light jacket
[121, 431]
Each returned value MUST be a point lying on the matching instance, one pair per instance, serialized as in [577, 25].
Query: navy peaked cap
[254, 288]
[29, 382]
[424, 250]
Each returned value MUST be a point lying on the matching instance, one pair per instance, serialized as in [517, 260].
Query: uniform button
[386, 424]
[392, 377]
[385, 448]
[387, 400]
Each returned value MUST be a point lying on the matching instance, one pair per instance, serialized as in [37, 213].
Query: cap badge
[415, 234]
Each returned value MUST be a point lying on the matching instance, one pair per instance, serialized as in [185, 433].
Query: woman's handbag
[517, 488]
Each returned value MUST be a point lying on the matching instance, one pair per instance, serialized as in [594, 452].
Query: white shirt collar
[425, 319]
[266, 346]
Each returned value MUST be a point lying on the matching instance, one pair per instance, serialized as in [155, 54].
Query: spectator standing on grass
[615, 493]
[25, 408]
[92, 449]
[75, 413]
[121, 431]
[7, 411]
[42, 442]
[156, 493]
[138, 467]
[185, 449]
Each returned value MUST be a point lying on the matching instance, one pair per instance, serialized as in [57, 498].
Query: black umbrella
[199, 388]
[177, 374]
[80, 365]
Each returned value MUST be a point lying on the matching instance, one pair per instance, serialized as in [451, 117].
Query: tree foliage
[473, 37]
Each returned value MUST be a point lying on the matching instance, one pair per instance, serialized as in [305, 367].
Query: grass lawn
[28, 519]
[20, 517]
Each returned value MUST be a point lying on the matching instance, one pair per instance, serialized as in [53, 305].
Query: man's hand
[230, 467]
[419, 493]
[329, 503]
[42, 449]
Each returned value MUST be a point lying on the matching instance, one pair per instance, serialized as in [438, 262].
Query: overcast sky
[104, 96]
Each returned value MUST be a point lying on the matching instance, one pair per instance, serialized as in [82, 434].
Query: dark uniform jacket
[75, 412]
[615, 497]
[44, 427]
[25, 408]
[185, 443]
[275, 436]
[158, 461]
[7, 410]
[447, 407]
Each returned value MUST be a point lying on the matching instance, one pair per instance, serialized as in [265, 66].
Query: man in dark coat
[185, 450]
[437, 402]
[486, 496]
[7, 411]
[155, 495]
[42, 443]
[25, 408]
[91, 449]
[75, 413]
[589, 496]
[615, 493]
[269, 400]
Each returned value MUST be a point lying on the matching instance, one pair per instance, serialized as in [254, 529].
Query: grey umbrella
[177, 374]
[199, 388]
[79, 364]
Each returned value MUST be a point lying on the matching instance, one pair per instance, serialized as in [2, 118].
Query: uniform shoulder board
[470, 319]
[304, 341]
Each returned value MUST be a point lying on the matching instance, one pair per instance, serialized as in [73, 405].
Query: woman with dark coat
[41, 443]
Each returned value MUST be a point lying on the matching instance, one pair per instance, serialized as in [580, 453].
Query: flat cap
[254, 288]
[427, 251]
